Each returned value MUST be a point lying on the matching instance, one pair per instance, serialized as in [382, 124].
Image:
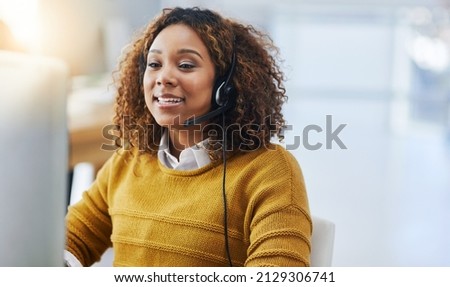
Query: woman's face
[179, 76]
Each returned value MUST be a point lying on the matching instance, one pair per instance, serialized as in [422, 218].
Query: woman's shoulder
[272, 171]
[272, 155]
[272, 151]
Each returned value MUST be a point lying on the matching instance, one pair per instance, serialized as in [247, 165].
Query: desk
[90, 109]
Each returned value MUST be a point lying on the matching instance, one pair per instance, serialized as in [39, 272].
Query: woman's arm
[281, 227]
[88, 223]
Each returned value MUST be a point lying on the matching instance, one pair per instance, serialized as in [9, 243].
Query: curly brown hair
[256, 115]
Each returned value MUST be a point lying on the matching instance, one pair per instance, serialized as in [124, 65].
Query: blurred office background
[379, 67]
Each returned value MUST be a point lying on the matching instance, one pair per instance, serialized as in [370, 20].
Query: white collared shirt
[193, 157]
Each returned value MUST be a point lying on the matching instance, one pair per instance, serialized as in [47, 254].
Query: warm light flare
[22, 18]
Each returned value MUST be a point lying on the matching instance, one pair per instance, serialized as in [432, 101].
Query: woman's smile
[165, 101]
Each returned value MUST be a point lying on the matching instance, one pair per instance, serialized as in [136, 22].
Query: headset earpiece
[223, 94]
[219, 97]
[224, 86]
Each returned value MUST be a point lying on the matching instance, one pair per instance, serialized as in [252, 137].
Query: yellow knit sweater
[155, 216]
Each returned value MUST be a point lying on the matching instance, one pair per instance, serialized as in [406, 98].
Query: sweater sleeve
[280, 226]
[88, 224]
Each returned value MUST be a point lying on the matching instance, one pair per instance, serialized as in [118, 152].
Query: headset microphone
[205, 117]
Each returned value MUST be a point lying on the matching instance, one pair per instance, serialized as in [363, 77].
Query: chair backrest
[322, 242]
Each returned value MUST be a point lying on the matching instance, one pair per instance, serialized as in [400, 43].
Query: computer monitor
[34, 159]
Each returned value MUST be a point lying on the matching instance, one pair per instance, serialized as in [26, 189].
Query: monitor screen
[34, 159]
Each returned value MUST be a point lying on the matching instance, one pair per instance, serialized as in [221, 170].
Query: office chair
[322, 242]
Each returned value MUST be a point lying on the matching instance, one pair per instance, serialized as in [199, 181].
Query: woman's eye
[186, 66]
[153, 65]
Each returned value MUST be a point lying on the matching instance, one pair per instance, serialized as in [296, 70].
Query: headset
[223, 98]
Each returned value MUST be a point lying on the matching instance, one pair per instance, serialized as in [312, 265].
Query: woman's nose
[166, 76]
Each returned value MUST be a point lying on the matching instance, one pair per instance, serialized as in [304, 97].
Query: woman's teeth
[169, 100]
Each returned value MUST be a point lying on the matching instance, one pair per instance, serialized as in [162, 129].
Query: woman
[196, 181]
